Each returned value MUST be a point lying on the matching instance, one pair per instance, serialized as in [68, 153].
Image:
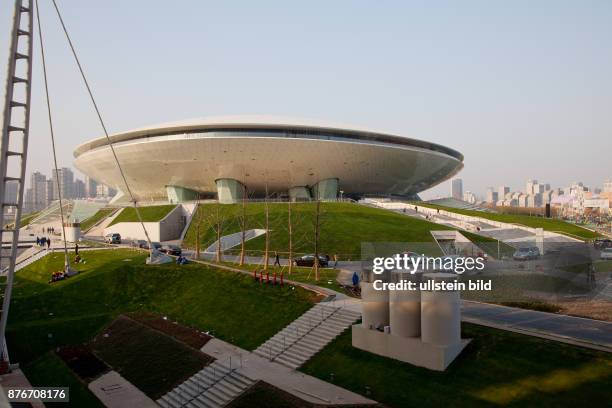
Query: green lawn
[497, 369]
[152, 213]
[327, 276]
[343, 227]
[94, 219]
[549, 224]
[112, 282]
[154, 362]
[50, 371]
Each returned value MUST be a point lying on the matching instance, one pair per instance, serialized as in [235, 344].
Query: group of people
[42, 241]
[57, 276]
[49, 230]
[181, 260]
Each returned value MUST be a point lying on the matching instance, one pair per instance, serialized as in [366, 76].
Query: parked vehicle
[140, 243]
[308, 260]
[113, 238]
[606, 254]
[171, 250]
[526, 253]
[602, 243]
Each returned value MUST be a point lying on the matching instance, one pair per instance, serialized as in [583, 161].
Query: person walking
[276, 259]
[76, 249]
[48, 243]
[335, 260]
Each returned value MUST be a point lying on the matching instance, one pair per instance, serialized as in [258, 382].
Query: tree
[267, 247]
[215, 218]
[243, 225]
[317, 230]
[290, 233]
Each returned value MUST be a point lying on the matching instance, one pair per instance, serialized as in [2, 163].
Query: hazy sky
[522, 88]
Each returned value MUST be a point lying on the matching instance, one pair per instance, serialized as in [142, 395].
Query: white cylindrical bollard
[405, 307]
[375, 304]
[440, 313]
[73, 231]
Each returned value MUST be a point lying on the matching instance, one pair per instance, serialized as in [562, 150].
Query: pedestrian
[355, 279]
[335, 260]
[37, 241]
[76, 249]
[48, 243]
[276, 259]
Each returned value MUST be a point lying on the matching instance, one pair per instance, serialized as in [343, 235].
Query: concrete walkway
[116, 392]
[16, 379]
[578, 331]
[303, 386]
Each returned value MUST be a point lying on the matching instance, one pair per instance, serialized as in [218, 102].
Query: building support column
[229, 191]
[326, 190]
[178, 194]
[299, 193]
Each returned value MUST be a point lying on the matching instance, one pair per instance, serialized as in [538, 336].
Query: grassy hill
[548, 224]
[152, 213]
[113, 282]
[94, 219]
[344, 226]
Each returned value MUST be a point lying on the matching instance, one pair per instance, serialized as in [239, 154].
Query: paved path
[16, 379]
[294, 382]
[116, 392]
[568, 329]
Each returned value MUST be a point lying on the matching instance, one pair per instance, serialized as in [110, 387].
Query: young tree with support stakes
[290, 234]
[215, 218]
[267, 218]
[242, 219]
[317, 231]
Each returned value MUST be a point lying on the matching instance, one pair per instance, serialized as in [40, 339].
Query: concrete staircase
[307, 335]
[213, 386]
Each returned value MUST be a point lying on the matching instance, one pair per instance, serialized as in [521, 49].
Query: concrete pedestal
[407, 349]
[375, 303]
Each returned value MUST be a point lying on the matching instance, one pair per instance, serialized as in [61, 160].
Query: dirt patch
[188, 335]
[599, 310]
[82, 362]
[150, 359]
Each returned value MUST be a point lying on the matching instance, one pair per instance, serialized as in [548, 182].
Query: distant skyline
[523, 89]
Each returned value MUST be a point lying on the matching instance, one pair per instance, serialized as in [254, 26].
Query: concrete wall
[169, 228]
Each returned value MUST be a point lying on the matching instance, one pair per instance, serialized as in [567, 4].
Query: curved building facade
[230, 156]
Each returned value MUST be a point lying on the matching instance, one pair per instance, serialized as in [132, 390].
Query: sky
[522, 88]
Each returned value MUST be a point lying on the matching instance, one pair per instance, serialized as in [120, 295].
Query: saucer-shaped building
[232, 156]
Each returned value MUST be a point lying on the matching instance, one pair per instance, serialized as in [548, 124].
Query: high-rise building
[10, 193]
[91, 186]
[104, 191]
[607, 186]
[502, 192]
[457, 189]
[469, 197]
[79, 189]
[38, 197]
[50, 190]
[529, 186]
[66, 183]
[492, 196]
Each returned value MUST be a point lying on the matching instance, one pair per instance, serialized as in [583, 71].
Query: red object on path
[268, 277]
[274, 277]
